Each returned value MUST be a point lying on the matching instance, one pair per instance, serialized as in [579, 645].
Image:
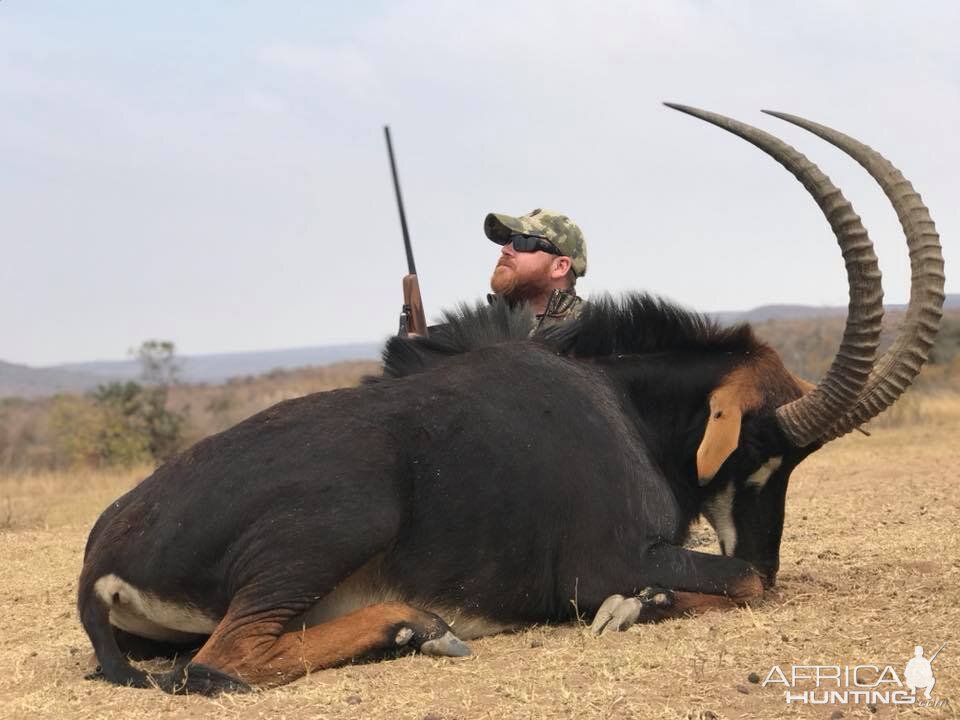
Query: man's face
[522, 276]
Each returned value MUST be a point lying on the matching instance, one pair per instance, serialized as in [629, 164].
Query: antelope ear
[722, 435]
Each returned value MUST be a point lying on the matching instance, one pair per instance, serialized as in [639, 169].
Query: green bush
[118, 424]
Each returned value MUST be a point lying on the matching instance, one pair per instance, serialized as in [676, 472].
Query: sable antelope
[489, 478]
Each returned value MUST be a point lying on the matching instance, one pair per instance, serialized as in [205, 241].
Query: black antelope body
[489, 478]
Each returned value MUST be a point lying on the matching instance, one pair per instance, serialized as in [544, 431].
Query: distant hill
[778, 312]
[802, 312]
[25, 381]
[30, 382]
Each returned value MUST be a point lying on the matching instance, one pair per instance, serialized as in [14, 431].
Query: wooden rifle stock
[412, 320]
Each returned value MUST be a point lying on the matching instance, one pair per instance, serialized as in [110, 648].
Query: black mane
[463, 329]
[636, 323]
[642, 323]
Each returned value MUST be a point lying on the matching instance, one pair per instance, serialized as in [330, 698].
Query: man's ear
[561, 266]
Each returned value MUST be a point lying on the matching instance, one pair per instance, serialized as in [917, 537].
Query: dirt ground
[870, 567]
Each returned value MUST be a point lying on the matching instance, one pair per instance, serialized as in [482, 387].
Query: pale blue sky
[214, 173]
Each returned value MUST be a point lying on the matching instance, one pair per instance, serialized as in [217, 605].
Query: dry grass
[870, 566]
[49, 500]
[940, 407]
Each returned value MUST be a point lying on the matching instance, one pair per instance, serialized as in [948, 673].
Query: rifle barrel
[411, 267]
[933, 657]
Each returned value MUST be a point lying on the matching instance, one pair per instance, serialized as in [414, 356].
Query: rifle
[412, 319]
[934, 656]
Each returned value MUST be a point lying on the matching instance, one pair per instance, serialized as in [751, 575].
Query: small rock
[354, 700]
[743, 689]
[836, 715]
[871, 707]
[536, 643]
[784, 638]
[754, 678]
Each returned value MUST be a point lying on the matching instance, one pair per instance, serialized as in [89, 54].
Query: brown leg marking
[747, 588]
[256, 654]
[740, 591]
[686, 603]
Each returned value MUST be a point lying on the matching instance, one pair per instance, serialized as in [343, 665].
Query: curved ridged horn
[893, 373]
[807, 419]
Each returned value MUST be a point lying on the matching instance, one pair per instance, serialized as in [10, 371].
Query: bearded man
[542, 255]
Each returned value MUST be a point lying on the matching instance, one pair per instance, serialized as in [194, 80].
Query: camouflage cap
[557, 228]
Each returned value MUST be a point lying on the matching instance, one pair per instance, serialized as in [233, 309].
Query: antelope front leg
[679, 582]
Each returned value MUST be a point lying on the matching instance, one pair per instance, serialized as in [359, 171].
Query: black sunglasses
[523, 242]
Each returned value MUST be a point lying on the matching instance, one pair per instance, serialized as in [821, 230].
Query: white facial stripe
[719, 512]
[763, 473]
[141, 613]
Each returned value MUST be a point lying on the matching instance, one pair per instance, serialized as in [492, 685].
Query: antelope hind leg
[254, 654]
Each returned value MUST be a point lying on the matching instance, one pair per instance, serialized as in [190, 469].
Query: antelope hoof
[198, 679]
[617, 612]
[448, 645]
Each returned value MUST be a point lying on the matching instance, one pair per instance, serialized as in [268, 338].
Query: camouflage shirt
[561, 305]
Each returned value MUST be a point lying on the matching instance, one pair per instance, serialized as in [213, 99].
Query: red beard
[508, 284]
